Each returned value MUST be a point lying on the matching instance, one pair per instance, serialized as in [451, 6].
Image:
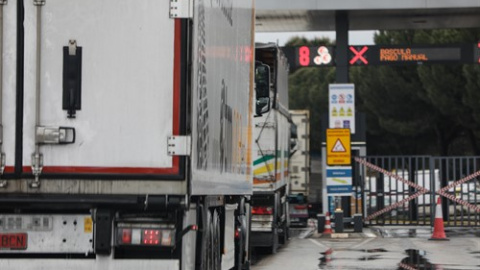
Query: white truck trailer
[300, 169]
[271, 150]
[126, 134]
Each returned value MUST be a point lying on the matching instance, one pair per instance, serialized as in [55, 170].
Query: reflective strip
[94, 264]
[438, 211]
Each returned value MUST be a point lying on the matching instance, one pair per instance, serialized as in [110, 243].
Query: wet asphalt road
[376, 248]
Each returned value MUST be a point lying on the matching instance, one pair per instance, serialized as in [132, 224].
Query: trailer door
[100, 92]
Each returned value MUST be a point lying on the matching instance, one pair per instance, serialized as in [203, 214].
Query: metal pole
[37, 157]
[341, 31]
[38, 68]
[1, 65]
[3, 183]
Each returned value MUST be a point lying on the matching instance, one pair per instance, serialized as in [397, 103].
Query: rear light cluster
[237, 233]
[262, 210]
[300, 207]
[133, 234]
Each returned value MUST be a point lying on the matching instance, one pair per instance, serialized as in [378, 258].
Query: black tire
[248, 248]
[206, 261]
[216, 245]
[239, 253]
[246, 265]
[274, 241]
[241, 250]
[284, 235]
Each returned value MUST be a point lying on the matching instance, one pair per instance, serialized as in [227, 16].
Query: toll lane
[389, 249]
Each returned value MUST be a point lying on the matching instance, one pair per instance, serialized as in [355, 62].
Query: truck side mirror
[262, 89]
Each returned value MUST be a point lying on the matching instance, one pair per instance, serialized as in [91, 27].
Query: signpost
[339, 181]
[341, 106]
[339, 178]
[338, 147]
[372, 55]
[306, 56]
[414, 54]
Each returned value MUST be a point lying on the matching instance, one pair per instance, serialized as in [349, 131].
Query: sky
[354, 37]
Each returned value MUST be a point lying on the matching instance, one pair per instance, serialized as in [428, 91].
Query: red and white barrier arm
[378, 169]
[395, 205]
[459, 201]
[459, 182]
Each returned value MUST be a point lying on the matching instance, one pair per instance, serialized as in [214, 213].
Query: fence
[401, 190]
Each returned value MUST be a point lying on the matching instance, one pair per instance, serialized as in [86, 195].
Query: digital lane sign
[404, 55]
[368, 55]
[310, 56]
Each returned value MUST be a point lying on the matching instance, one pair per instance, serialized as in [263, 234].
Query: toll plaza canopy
[320, 15]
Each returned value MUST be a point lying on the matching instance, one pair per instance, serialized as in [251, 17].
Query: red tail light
[237, 233]
[262, 210]
[144, 236]
[151, 237]
[300, 207]
[126, 236]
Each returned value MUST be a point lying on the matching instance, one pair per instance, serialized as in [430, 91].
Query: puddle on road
[327, 256]
[416, 260]
[369, 258]
[375, 250]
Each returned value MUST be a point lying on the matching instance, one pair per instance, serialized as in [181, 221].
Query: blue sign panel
[339, 189]
[347, 172]
[339, 181]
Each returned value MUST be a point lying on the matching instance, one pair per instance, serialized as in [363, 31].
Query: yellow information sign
[338, 146]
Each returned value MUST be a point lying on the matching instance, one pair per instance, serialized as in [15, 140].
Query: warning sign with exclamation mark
[338, 146]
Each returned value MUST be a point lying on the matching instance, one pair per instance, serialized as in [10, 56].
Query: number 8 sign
[304, 56]
[314, 56]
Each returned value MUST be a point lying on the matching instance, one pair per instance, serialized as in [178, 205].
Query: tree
[430, 109]
[308, 90]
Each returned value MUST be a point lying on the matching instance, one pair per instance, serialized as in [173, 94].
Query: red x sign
[359, 55]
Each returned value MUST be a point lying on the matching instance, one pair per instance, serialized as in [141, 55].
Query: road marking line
[318, 244]
[363, 243]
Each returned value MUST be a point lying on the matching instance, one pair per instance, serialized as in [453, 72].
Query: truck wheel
[248, 230]
[206, 258]
[216, 245]
[239, 252]
[284, 235]
[240, 245]
[275, 241]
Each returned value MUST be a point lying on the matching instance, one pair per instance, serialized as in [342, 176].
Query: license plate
[13, 241]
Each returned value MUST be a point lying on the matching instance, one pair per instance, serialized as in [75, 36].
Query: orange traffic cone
[438, 229]
[328, 225]
[328, 255]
